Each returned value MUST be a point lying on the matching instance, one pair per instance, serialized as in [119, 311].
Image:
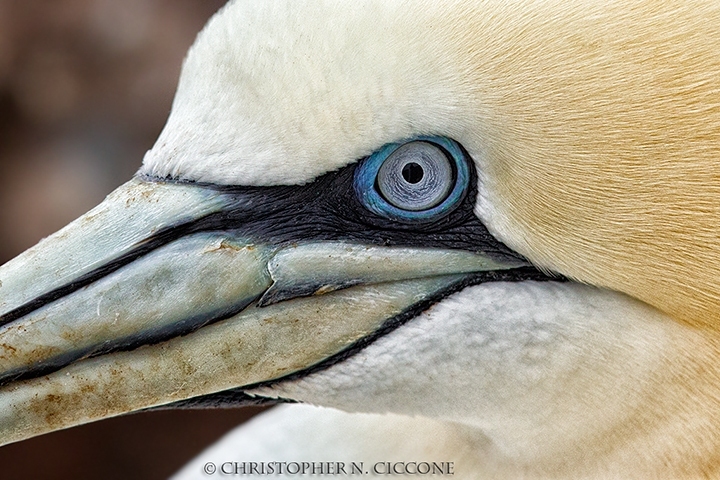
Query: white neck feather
[555, 375]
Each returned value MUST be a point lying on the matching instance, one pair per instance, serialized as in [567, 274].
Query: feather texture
[595, 125]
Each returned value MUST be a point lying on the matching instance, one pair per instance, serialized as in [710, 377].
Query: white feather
[516, 377]
[281, 92]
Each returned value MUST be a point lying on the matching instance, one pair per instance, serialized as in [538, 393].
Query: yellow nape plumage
[603, 140]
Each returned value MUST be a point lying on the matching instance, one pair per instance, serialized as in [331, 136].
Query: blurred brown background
[85, 88]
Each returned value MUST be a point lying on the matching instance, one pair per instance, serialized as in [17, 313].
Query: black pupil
[412, 172]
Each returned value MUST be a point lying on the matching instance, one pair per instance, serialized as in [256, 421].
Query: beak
[169, 291]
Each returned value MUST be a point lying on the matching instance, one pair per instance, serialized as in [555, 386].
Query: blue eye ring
[367, 172]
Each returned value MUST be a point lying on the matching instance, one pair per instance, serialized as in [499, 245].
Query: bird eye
[422, 179]
[415, 177]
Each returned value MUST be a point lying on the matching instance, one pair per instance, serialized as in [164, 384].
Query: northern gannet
[484, 232]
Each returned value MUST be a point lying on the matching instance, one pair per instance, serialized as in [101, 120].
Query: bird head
[496, 214]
